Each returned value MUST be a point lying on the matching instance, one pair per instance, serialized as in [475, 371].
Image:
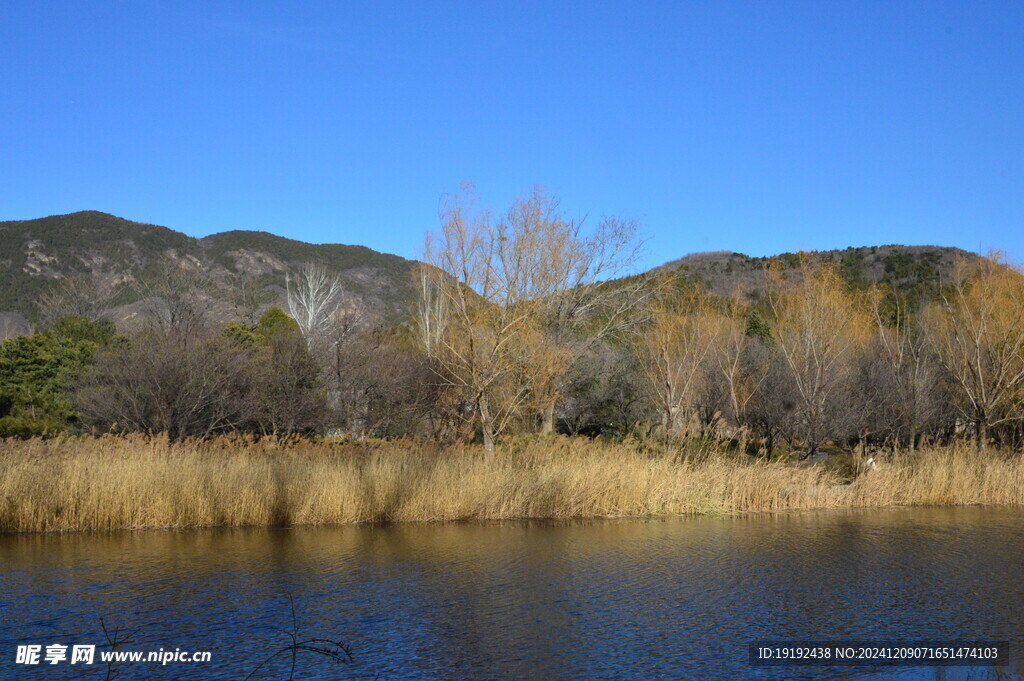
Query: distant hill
[35, 253]
[915, 271]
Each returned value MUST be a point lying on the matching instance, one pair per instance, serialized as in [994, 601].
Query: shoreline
[72, 484]
[547, 521]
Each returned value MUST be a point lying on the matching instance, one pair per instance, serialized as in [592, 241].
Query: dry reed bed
[136, 482]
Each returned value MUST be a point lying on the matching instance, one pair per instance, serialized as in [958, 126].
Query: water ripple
[667, 599]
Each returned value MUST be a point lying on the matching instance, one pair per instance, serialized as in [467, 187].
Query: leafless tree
[84, 296]
[772, 411]
[490, 276]
[283, 394]
[740, 367]
[13, 325]
[204, 384]
[175, 297]
[583, 308]
[378, 383]
[607, 392]
[868, 409]
[912, 374]
[313, 298]
[505, 302]
[431, 310]
[249, 298]
[157, 383]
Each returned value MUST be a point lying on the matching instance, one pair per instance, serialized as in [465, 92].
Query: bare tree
[205, 384]
[431, 310]
[174, 297]
[741, 370]
[313, 298]
[284, 391]
[157, 383]
[914, 378]
[576, 308]
[507, 303]
[12, 325]
[84, 296]
[248, 298]
[868, 410]
[773, 411]
[487, 278]
[378, 383]
[607, 392]
[352, 370]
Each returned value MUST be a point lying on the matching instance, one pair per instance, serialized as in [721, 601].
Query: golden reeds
[136, 482]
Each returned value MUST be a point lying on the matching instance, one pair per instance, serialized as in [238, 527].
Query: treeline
[526, 323]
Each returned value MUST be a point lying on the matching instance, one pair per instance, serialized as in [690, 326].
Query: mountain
[915, 271]
[34, 254]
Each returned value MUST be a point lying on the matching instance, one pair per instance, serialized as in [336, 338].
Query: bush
[198, 385]
[24, 428]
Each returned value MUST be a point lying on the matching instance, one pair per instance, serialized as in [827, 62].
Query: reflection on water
[672, 599]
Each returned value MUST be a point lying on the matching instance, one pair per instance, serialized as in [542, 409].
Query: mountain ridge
[915, 270]
[37, 252]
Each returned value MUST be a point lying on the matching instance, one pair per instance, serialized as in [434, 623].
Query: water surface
[658, 599]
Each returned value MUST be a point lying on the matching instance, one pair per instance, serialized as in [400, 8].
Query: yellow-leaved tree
[819, 329]
[977, 332]
[674, 349]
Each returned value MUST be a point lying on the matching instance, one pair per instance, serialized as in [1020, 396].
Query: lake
[681, 598]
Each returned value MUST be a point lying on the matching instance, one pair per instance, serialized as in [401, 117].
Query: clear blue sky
[758, 127]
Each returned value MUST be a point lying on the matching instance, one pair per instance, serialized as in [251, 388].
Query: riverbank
[134, 482]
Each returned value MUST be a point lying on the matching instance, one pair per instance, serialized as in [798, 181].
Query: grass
[137, 482]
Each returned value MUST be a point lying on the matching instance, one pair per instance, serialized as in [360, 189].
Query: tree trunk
[669, 425]
[487, 427]
[982, 431]
[488, 444]
[547, 424]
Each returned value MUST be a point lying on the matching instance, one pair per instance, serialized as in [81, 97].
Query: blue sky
[758, 127]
